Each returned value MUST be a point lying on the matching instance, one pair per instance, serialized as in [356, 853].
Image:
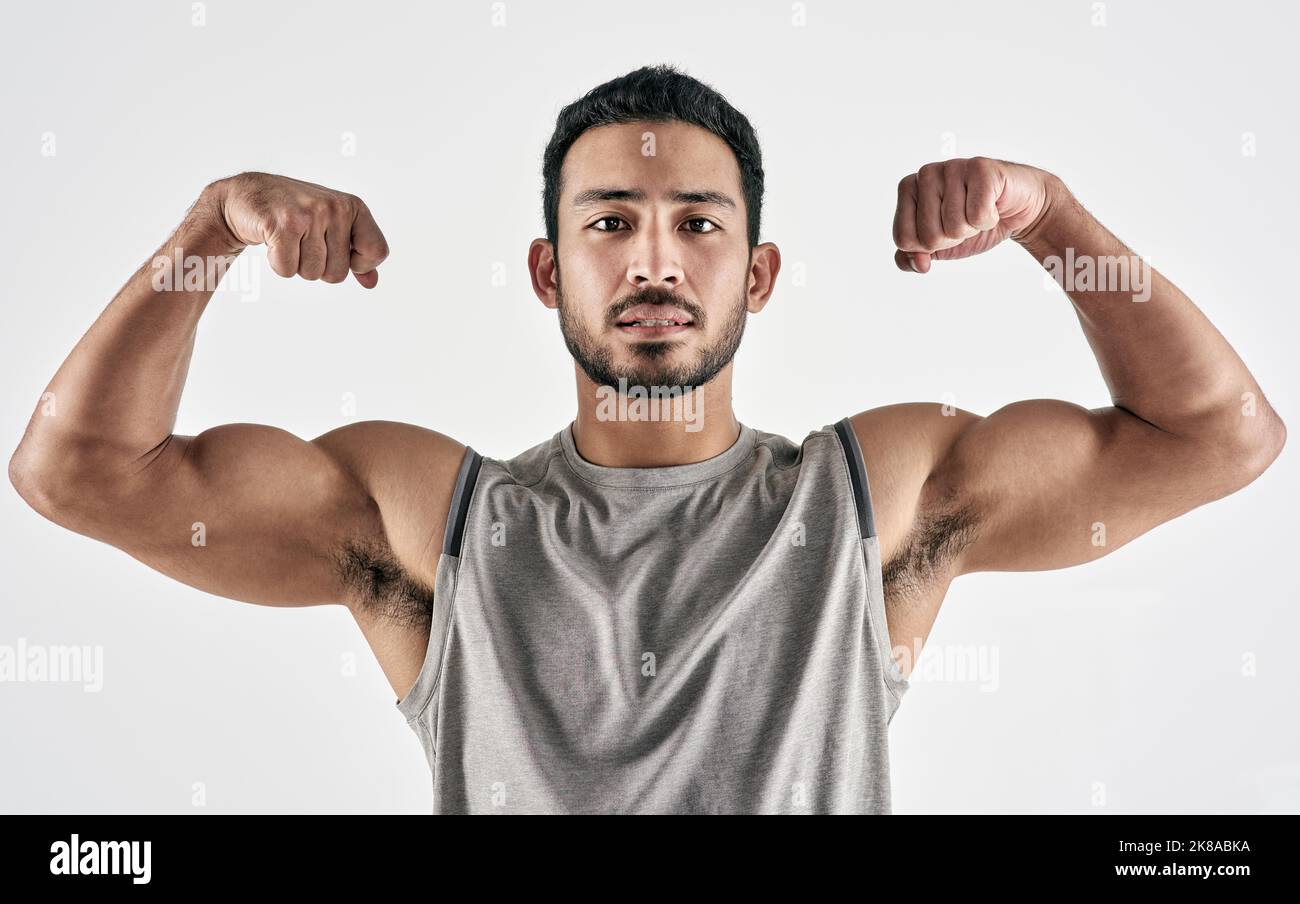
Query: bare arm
[244, 511]
[1043, 484]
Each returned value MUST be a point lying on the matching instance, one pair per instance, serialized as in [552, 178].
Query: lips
[655, 316]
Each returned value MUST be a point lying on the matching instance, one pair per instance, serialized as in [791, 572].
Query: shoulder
[527, 467]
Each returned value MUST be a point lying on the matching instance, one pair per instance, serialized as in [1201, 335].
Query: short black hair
[656, 94]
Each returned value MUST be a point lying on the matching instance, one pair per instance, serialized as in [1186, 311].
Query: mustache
[655, 295]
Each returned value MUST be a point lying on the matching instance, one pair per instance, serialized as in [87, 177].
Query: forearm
[114, 399]
[1160, 356]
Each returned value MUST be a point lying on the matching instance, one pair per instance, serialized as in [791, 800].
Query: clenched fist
[310, 230]
[962, 207]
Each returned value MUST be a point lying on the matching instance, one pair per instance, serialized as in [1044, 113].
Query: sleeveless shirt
[698, 638]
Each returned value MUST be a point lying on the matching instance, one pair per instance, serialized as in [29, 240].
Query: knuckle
[929, 237]
[292, 219]
[931, 172]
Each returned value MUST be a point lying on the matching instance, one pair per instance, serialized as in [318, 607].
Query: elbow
[34, 477]
[28, 481]
[60, 484]
[1236, 450]
[1256, 448]
[1274, 445]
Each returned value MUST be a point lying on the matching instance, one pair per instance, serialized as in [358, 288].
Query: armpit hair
[378, 583]
[938, 535]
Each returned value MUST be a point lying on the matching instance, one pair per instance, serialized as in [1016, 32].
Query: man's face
[654, 255]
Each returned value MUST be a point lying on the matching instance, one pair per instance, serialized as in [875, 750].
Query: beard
[650, 366]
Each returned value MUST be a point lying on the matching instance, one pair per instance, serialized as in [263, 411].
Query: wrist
[1055, 204]
[206, 223]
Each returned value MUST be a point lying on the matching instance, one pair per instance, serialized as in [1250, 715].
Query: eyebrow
[595, 195]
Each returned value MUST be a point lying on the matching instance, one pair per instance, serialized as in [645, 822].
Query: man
[659, 609]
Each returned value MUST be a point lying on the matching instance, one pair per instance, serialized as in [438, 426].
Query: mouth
[654, 321]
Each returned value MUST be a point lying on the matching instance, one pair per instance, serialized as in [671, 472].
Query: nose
[655, 259]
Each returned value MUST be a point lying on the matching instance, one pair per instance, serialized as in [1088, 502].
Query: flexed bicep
[1048, 484]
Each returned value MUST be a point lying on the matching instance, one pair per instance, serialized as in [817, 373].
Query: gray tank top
[700, 638]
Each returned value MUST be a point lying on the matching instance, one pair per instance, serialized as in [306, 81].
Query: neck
[621, 431]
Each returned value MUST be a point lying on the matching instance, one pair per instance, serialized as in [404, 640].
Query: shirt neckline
[668, 476]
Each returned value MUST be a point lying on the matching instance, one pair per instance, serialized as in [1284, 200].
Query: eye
[713, 227]
[606, 220]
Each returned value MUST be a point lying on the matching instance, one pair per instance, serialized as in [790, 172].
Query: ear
[542, 268]
[764, 265]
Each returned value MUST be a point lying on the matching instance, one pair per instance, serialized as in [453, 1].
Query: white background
[1119, 685]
